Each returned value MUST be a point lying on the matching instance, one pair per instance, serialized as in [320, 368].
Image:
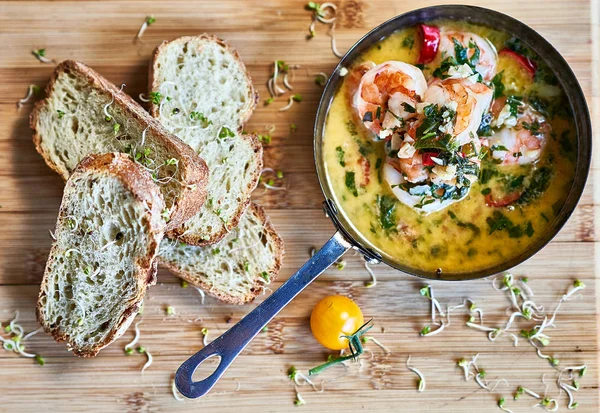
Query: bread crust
[152, 84]
[273, 238]
[140, 184]
[179, 232]
[195, 175]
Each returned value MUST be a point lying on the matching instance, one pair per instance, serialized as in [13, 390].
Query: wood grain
[100, 33]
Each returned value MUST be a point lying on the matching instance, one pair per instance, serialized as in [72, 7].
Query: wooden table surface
[100, 34]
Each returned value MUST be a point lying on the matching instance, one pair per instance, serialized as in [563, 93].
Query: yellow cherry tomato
[333, 317]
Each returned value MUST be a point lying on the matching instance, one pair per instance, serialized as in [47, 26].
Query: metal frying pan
[229, 345]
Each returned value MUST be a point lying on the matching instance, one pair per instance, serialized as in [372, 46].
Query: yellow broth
[456, 239]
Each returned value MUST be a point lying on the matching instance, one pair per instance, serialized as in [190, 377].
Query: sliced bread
[237, 268]
[107, 234]
[84, 113]
[202, 93]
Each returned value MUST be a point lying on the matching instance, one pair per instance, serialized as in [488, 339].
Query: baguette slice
[108, 232]
[206, 96]
[72, 123]
[237, 268]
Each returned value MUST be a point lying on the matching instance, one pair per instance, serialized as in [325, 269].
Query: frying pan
[229, 345]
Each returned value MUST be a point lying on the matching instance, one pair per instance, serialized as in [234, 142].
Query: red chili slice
[427, 161]
[430, 36]
[502, 202]
[529, 65]
[366, 167]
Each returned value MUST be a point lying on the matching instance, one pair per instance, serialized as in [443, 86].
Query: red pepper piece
[430, 36]
[502, 202]
[529, 65]
[427, 161]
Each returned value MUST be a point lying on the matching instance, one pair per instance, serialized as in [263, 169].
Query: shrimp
[411, 167]
[471, 100]
[521, 141]
[414, 197]
[389, 86]
[479, 50]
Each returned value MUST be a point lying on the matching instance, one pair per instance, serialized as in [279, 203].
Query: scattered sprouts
[16, 338]
[324, 13]
[40, 55]
[144, 350]
[270, 184]
[129, 347]
[291, 100]
[373, 281]
[299, 400]
[204, 332]
[301, 379]
[501, 405]
[32, 91]
[366, 339]
[421, 384]
[321, 78]
[202, 295]
[334, 49]
[147, 22]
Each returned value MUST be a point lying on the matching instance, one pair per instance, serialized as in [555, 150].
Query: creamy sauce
[456, 239]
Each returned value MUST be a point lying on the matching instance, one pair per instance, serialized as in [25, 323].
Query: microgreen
[225, 132]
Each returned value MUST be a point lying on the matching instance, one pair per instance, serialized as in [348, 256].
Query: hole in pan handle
[230, 344]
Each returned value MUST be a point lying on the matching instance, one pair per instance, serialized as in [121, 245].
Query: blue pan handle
[229, 345]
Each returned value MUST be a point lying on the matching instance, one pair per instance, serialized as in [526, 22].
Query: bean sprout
[31, 91]
[421, 383]
[149, 362]
[135, 338]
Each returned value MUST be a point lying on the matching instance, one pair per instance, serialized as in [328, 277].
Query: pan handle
[230, 344]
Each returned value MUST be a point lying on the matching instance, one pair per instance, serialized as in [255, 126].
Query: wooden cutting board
[100, 33]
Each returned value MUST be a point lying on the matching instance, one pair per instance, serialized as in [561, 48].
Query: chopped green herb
[498, 85]
[486, 191]
[408, 108]
[116, 127]
[538, 183]
[351, 183]
[387, 206]
[408, 42]
[340, 155]
[60, 113]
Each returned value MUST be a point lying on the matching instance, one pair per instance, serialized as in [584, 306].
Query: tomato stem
[355, 346]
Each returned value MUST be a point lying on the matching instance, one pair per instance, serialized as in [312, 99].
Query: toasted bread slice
[205, 96]
[108, 233]
[237, 268]
[84, 113]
